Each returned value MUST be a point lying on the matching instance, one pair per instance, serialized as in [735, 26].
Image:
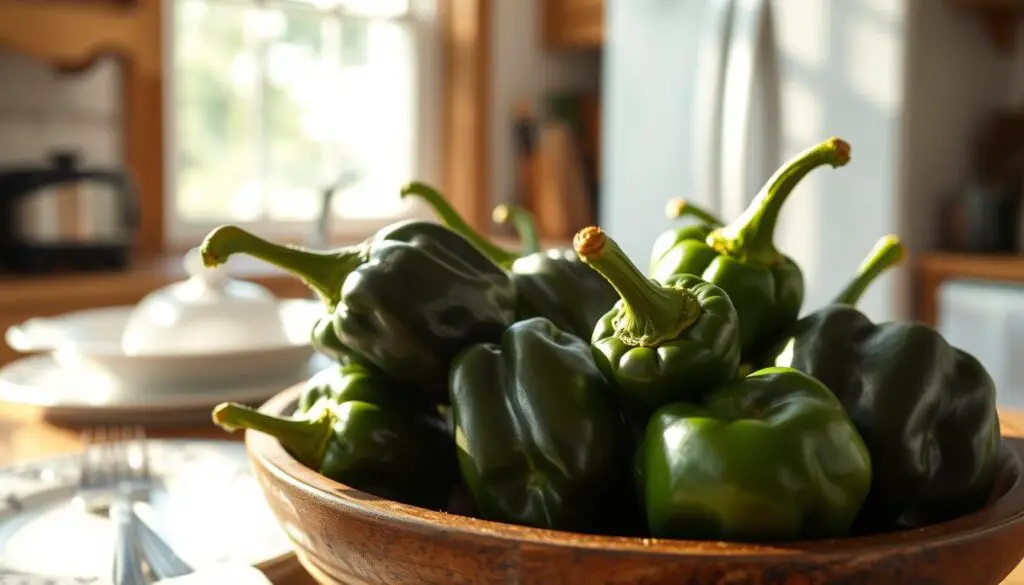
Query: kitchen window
[271, 101]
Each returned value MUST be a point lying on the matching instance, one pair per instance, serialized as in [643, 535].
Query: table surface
[24, 435]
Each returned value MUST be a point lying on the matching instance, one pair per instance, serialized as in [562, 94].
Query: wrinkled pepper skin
[540, 441]
[772, 457]
[660, 343]
[926, 410]
[363, 436]
[675, 209]
[551, 283]
[406, 301]
[766, 286]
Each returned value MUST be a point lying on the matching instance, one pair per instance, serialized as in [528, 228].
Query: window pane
[378, 8]
[214, 79]
[296, 159]
[327, 111]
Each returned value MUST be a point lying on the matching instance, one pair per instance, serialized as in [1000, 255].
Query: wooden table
[24, 436]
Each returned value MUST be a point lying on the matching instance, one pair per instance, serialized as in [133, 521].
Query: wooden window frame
[72, 34]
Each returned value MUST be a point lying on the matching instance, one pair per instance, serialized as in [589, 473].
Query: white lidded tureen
[201, 333]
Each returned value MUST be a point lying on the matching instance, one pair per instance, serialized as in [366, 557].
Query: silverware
[110, 471]
[163, 562]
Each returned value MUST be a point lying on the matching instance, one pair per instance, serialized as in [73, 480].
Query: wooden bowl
[345, 536]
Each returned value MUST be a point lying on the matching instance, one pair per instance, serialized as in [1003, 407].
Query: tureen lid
[209, 311]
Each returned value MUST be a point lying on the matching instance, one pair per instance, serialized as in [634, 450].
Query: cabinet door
[572, 24]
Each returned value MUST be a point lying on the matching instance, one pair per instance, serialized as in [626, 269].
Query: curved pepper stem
[451, 218]
[887, 253]
[650, 314]
[524, 224]
[751, 236]
[323, 272]
[678, 207]
[306, 439]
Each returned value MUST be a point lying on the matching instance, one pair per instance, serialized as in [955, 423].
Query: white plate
[72, 396]
[91, 340]
[208, 506]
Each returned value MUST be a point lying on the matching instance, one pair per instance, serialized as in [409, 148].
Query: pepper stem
[751, 236]
[451, 218]
[323, 272]
[524, 224]
[678, 207]
[306, 439]
[887, 253]
[650, 314]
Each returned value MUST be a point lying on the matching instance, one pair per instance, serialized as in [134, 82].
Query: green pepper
[364, 436]
[926, 409]
[660, 342]
[405, 301]
[675, 209]
[540, 441]
[550, 283]
[341, 383]
[887, 252]
[524, 224]
[770, 457]
[766, 286]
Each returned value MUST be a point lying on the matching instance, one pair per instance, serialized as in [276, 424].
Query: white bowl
[91, 340]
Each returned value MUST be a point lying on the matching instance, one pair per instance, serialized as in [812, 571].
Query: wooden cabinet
[572, 24]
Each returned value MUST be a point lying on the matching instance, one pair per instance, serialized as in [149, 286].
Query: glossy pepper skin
[363, 436]
[678, 208]
[770, 457]
[539, 438]
[926, 410]
[551, 283]
[766, 287]
[341, 383]
[406, 301]
[660, 342]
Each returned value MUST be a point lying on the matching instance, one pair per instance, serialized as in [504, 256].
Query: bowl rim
[1005, 508]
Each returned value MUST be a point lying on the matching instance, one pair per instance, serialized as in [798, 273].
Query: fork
[108, 476]
[114, 471]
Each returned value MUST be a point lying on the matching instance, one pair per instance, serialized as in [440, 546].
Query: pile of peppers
[571, 389]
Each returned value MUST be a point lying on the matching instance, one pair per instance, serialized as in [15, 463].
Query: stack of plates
[78, 371]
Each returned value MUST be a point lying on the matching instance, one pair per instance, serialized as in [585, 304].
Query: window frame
[428, 45]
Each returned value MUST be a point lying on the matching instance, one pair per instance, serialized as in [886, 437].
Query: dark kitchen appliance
[64, 217]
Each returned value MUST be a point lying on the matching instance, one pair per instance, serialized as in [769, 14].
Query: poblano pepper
[363, 435]
[660, 342]
[340, 383]
[540, 440]
[551, 283]
[675, 209]
[770, 457]
[887, 252]
[766, 286]
[405, 301]
[926, 410]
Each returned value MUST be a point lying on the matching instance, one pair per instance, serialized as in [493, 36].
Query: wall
[42, 109]
[955, 78]
[521, 68]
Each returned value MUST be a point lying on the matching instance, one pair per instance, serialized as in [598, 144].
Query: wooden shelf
[71, 34]
[572, 24]
[934, 268]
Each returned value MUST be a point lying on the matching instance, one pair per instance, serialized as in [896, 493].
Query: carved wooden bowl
[344, 536]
